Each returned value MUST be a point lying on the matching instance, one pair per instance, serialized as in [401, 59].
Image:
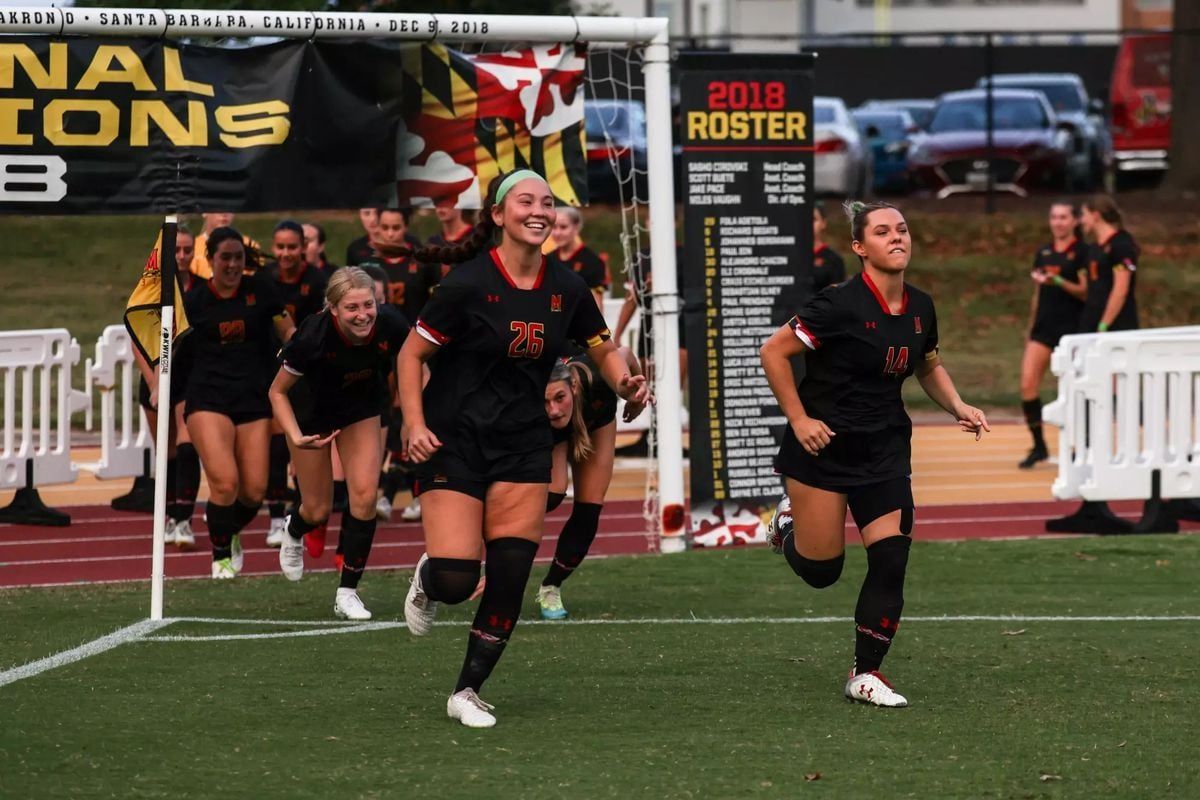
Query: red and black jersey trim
[537, 283]
[804, 334]
[879, 297]
[431, 334]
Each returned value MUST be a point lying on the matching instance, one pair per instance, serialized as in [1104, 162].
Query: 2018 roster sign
[746, 128]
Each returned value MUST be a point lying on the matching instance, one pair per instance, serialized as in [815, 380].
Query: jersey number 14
[897, 361]
[528, 342]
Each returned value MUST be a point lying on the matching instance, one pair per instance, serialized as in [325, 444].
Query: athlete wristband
[1058, 280]
[1102, 327]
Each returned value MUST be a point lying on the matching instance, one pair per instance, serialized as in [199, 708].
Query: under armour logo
[871, 326]
[493, 298]
[917, 320]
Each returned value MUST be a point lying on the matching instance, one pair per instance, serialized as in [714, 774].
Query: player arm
[284, 327]
[419, 442]
[614, 368]
[285, 415]
[938, 385]
[627, 309]
[776, 355]
[148, 372]
[1076, 290]
[1033, 304]
[1122, 278]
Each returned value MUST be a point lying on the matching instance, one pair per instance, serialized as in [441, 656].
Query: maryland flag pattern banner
[469, 117]
[143, 316]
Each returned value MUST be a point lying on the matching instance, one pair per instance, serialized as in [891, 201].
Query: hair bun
[853, 208]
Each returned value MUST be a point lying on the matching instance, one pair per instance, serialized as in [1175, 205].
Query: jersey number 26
[528, 341]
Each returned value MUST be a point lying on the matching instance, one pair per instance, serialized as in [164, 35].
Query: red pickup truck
[1140, 99]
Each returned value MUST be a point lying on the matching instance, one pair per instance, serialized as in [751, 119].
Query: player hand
[972, 420]
[812, 434]
[315, 441]
[419, 443]
[633, 389]
[633, 410]
[1039, 277]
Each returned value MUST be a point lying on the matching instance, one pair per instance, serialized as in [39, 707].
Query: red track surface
[103, 545]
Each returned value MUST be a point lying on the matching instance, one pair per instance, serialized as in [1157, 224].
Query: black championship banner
[746, 129]
[103, 126]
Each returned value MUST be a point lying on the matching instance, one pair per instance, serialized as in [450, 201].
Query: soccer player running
[236, 321]
[333, 385]
[572, 253]
[301, 287]
[1058, 275]
[1111, 303]
[848, 439]
[478, 433]
[183, 465]
[828, 266]
[583, 414]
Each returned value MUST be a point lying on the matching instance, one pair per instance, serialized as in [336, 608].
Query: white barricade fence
[1128, 408]
[126, 441]
[38, 402]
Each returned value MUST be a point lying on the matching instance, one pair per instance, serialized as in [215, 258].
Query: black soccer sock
[554, 500]
[298, 526]
[509, 561]
[574, 542]
[877, 615]
[187, 474]
[244, 514]
[341, 496]
[1033, 418]
[450, 580]
[222, 525]
[277, 472]
[172, 483]
[357, 535]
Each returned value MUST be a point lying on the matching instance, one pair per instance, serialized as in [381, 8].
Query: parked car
[1030, 145]
[886, 132]
[614, 128]
[921, 110]
[841, 161]
[1090, 166]
[1140, 104]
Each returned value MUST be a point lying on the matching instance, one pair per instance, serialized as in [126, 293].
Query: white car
[842, 160]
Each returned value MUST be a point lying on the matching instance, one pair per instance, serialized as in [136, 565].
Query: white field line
[95, 647]
[327, 628]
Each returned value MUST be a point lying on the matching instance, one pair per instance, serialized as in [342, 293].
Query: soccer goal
[627, 60]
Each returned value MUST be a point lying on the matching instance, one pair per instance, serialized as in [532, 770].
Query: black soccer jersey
[486, 395]
[862, 353]
[343, 381]
[828, 268]
[231, 343]
[358, 251]
[596, 398]
[1119, 252]
[409, 282]
[586, 264]
[439, 240]
[1057, 311]
[303, 294]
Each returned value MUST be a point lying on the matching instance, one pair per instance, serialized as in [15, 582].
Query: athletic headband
[515, 178]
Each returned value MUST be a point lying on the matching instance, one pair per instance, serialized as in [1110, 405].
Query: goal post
[649, 34]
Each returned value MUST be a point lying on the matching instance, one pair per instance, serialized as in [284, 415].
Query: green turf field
[1012, 708]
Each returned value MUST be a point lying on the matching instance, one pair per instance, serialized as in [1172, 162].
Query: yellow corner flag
[143, 312]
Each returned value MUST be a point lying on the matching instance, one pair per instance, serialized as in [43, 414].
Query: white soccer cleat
[383, 509]
[169, 532]
[781, 525]
[239, 555]
[467, 708]
[873, 688]
[277, 532]
[223, 570]
[419, 610]
[291, 557]
[412, 512]
[184, 538]
[348, 605]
